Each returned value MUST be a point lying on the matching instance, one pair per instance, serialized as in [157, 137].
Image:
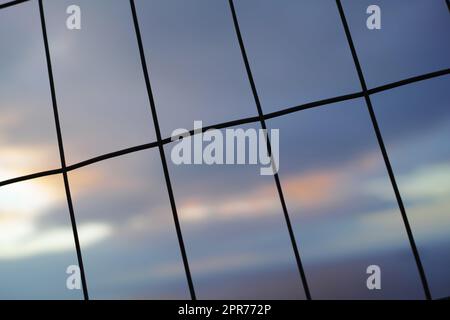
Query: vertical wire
[384, 153]
[161, 152]
[276, 177]
[61, 152]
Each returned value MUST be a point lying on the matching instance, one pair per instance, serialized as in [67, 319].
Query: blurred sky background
[342, 206]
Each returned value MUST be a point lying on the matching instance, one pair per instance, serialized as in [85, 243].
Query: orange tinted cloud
[316, 189]
[313, 188]
[309, 190]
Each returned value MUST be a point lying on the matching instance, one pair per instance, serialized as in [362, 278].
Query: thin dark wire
[61, 152]
[277, 179]
[314, 104]
[161, 151]
[125, 151]
[407, 81]
[111, 155]
[12, 3]
[232, 123]
[384, 153]
[31, 176]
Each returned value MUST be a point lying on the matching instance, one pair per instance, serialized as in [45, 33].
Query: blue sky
[337, 190]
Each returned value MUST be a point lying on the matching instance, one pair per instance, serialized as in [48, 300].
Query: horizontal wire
[111, 155]
[404, 82]
[31, 176]
[314, 104]
[12, 3]
[229, 124]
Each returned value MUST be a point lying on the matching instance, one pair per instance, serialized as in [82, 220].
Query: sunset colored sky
[337, 190]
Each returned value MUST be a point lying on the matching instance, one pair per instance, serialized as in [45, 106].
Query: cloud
[16, 161]
[427, 183]
[32, 198]
[25, 241]
[310, 191]
[425, 192]
[23, 205]
[262, 201]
